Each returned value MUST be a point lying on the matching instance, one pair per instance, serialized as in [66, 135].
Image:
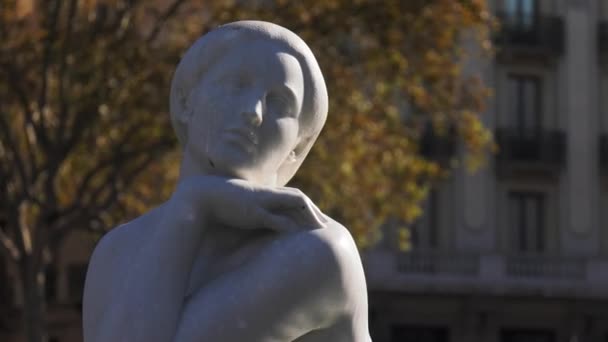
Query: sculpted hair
[208, 49]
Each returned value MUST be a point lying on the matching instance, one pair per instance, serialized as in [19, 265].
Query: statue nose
[253, 113]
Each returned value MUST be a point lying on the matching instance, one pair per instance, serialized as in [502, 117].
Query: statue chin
[245, 173]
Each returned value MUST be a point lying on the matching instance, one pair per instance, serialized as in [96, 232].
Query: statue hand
[240, 203]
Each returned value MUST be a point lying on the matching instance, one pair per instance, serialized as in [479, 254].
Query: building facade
[64, 286]
[517, 252]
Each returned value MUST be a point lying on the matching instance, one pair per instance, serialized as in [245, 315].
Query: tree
[81, 119]
[85, 139]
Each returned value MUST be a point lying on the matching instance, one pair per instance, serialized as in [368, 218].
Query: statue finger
[279, 223]
[293, 204]
[318, 215]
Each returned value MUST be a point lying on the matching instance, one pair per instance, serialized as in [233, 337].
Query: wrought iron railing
[468, 264]
[438, 262]
[542, 33]
[539, 266]
[543, 146]
[487, 272]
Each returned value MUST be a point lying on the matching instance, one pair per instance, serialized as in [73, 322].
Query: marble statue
[234, 254]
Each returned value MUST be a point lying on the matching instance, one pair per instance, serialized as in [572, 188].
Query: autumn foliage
[85, 139]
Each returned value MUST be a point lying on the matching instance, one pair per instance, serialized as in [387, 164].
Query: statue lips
[245, 137]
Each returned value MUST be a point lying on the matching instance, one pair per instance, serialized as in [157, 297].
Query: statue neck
[190, 167]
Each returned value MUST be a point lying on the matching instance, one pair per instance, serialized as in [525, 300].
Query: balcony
[604, 153]
[541, 150]
[523, 266]
[487, 273]
[436, 262]
[537, 37]
[602, 41]
[538, 266]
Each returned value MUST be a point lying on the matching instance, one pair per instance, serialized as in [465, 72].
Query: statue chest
[224, 250]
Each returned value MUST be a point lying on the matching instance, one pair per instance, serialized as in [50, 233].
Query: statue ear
[295, 159]
[291, 158]
[301, 149]
[304, 145]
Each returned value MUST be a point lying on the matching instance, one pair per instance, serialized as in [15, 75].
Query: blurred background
[466, 149]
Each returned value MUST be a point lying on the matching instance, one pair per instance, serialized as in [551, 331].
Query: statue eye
[280, 104]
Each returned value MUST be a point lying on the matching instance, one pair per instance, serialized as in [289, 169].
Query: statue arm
[147, 282]
[301, 283]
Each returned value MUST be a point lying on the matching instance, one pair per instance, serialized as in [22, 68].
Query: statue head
[235, 77]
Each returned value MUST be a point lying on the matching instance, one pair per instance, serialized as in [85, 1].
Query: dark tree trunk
[5, 294]
[33, 301]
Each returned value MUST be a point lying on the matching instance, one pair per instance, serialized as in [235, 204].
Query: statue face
[246, 110]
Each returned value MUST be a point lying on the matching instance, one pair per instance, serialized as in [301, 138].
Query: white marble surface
[234, 254]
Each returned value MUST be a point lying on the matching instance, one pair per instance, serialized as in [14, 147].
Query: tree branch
[46, 55]
[104, 163]
[121, 13]
[82, 122]
[171, 10]
[153, 151]
[80, 214]
[54, 160]
[14, 80]
[117, 28]
[28, 146]
[15, 156]
[14, 225]
[120, 158]
[63, 103]
[69, 221]
[8, 246]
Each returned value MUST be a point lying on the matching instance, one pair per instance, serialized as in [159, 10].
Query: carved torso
[222, 250]
[247, 102]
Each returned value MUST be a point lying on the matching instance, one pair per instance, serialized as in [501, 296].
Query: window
[525, 104]
[527, 335]
[526, 222]
[419, 333]
[426, 236]
[521, 14]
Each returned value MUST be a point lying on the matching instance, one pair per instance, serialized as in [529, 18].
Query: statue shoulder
[341, 241]
[111, 261]
[328, 260]
[116, 250]
[340, 253]
[127, 237]
[353, 285]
